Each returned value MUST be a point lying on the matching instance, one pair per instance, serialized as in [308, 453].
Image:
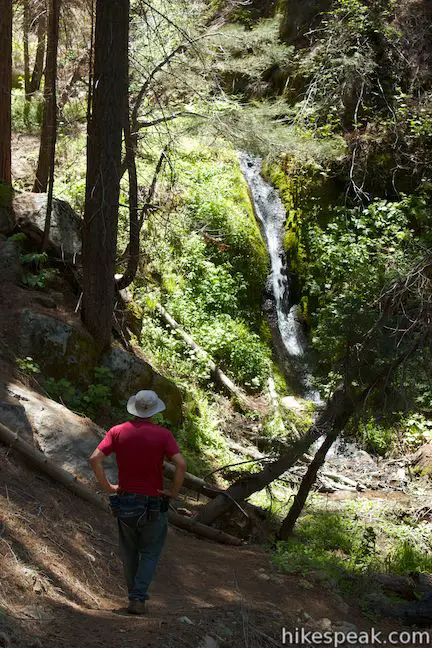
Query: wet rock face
[63, 351]
[65, 231]
[300, 17]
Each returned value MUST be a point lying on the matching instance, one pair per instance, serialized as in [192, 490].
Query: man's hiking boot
[136, 607]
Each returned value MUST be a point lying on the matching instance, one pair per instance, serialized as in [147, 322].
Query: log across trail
[70, 481]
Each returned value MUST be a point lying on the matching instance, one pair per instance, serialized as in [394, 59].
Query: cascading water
[271, 215]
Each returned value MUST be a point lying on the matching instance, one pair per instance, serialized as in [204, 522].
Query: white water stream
[271, 215]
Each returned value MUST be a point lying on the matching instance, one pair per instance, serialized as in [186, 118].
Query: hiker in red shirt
[140, 501]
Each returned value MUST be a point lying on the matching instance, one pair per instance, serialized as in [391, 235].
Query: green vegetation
[212, 265]
[343, 124]
[341, 543]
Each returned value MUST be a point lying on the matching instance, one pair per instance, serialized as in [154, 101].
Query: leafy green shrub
[378, 438]
[95, 401]
[343, 543]
[26, 115]
[213, 266]
[416, 430]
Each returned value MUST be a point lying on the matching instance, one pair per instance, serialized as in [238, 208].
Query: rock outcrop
[10, 265]
[66, 351]
[65, 233]
[422, 460]
[64, 437]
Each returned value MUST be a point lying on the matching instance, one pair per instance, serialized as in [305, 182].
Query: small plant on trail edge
[35, 275]
[28, 365]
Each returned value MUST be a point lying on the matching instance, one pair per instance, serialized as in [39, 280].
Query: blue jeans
[141, 538]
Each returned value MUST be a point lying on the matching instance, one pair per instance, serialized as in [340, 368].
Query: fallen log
[193, 483]
[191, 525]
[345, 483]
[218, 375]
[70, 481]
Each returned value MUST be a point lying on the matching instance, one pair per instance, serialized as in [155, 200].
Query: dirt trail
[61, 581]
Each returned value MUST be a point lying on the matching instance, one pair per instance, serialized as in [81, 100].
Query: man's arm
[177, 482]
[96, 463]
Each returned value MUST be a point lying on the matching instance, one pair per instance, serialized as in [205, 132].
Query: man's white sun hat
[145, 403]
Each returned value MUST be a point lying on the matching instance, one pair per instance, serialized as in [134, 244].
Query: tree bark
[306, 485]
[5, 90]
[134, 227]
[49, 119]
[38, 67]
[104, 144]
[26, 27]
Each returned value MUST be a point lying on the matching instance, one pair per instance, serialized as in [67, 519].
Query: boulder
[64, 437]
[61, 350]
[66, 351]
[422, 460]
[65, 233]
[10, 265]
[132, 374]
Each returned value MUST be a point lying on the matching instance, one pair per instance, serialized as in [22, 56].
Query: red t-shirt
[140, 448]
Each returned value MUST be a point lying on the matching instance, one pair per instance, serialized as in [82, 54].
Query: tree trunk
[134, 228]
[49, 120]
[104, 144]
[299, 18]
[334, 415]
[38, 67]
[5, 90]
[306, 485]
[26, 27]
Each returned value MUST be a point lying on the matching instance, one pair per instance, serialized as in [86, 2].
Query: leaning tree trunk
[332, 420]
[108, 96]
[36, 78]
[49, 120]
[306, 485]
[5, 90]
[334, 416]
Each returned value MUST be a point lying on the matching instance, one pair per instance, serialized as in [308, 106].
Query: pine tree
[49, 121]
[5, 89]
[106, 123]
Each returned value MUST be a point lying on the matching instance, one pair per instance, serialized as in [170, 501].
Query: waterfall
[271, 215]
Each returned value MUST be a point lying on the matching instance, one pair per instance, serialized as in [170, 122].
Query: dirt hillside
[61, 582]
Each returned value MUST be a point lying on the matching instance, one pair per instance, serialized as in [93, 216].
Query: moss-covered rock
[65, 352]
[61, 350]
[306, 189]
